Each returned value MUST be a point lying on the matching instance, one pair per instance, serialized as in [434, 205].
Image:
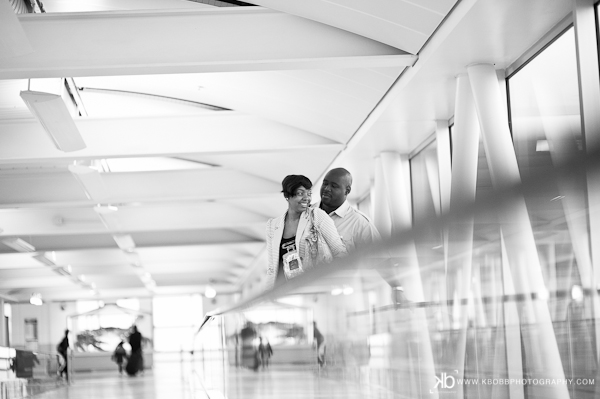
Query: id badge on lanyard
[292, 265]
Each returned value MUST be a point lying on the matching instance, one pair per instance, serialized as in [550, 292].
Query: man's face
[334, 190]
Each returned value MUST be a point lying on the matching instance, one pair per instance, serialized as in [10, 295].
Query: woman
[300, 238]
[136, 360]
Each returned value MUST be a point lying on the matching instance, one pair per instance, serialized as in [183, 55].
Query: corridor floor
[173, 380]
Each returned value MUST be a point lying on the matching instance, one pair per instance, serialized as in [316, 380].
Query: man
[355, 228]
[62, 349]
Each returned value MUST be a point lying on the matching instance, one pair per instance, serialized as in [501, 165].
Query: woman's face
[300, 201]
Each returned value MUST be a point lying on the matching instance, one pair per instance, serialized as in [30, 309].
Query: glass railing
[24, 373]
[506, 307]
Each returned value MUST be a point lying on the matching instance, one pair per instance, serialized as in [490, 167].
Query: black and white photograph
[300, 199]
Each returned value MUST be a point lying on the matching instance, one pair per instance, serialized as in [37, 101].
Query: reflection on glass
[546, 126]
[507, 310]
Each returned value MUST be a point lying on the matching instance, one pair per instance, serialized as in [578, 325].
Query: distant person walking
[62, 349]
[119, 355]
[136, 360]
[249, 350]
[320, 341]
[265, 352]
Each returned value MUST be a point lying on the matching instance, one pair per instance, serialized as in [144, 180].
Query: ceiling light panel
[51, 111]
[91, 181]
[47, 259]
[124, 241]
[19, 245]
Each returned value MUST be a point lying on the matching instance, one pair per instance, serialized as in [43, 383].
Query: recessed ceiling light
[47, 258]
[105, 209]
[125, 242]
[19, 245]
[36, 299]
[210, 292]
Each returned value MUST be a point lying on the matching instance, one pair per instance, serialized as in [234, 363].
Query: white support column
[392, 181]
[552, 276]
[442, 138]
[2, 325]
[460, 233]
[584, 20]
[508, 343]
[544, 359]
[433, 177]
[396, 175]
[381, 209]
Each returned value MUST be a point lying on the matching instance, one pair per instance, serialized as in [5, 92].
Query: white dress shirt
[355, 228]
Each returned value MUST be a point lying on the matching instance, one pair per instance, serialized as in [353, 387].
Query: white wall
[145, 324]
[51, 319]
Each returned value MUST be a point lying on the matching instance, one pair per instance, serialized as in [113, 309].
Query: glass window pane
[544, 101]
[546, 127]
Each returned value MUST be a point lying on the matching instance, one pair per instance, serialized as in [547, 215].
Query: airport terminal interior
[143, 145]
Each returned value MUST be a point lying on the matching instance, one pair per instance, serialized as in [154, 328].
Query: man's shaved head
[343, 173]
[336, 186]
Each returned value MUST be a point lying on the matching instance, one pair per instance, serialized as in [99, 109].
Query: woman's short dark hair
[291, 183]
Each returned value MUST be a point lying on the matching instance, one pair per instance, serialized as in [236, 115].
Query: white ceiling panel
[99, 44]
[202, 266]
[13, 39]
[60, 187]
[53, 6]
[278, 164]
[114, 270]
[18, 261]
[119, 281]
[221, 133]
[403, 24]
[44, 281]
[15, 272]
[213, 252]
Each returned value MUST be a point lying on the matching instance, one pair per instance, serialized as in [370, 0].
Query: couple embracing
[307, 235]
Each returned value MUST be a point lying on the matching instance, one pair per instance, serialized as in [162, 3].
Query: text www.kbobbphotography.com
[449, 381]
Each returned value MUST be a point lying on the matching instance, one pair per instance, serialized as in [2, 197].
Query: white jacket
[275, 233]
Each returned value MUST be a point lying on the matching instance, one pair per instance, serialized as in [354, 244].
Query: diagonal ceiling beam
[184, 41]
[13, 40]
[403, 24]
[223, 132]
